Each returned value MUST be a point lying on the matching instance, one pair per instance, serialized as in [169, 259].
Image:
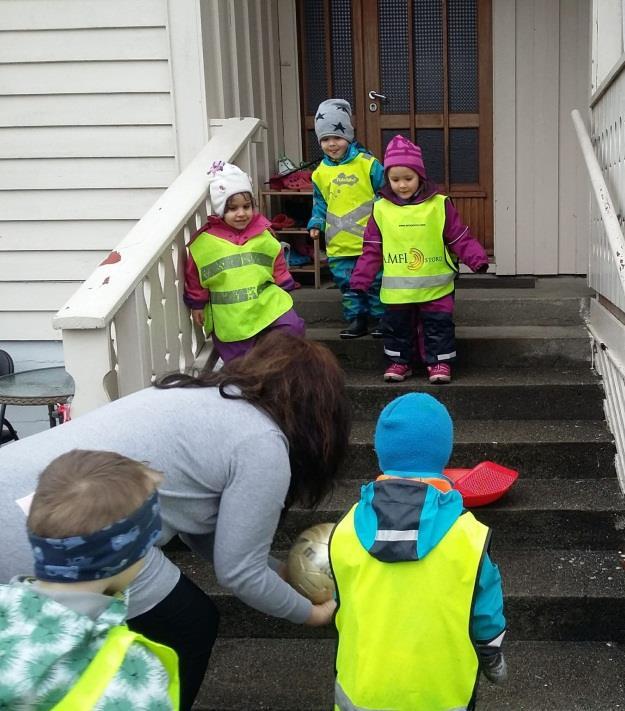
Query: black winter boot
[378, 330]
[356, 328]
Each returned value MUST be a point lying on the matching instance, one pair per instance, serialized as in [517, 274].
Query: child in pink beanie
[417, 236]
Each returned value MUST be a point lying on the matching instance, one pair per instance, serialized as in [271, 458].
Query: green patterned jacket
[46, 646]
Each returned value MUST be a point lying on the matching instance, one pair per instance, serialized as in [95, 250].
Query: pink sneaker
[439, 373]
[396, 372]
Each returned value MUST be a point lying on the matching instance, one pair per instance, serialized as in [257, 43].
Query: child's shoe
[378, 330]
[439, 373]
[396, 372]
[356, 328]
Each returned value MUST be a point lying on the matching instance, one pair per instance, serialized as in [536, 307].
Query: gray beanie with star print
[334, 118]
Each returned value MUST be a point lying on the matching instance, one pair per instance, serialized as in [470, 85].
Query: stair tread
[509, 431]
[483, 332]
[502, 377]
[596, 495]
[557, 289]
[282, 675]
[550, 573]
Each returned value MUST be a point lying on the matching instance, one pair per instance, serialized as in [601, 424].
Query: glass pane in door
[314, 55]
[427, 20]
[393, 41]
[462, 56]
[464, 155]
[432, 142]
[342, 51]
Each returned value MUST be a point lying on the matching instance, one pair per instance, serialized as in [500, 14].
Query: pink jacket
[456, 234]
[195, 295]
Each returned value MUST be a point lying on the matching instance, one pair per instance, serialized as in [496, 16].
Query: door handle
[374, 95]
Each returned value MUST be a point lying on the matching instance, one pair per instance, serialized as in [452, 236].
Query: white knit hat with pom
[226, 180]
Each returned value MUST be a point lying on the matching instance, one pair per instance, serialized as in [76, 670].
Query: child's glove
[493, 665]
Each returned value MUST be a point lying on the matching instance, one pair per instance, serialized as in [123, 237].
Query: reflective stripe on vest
[404, 627]
[417, 265]
[244, 299]
[347, 209]
[343, 703]
[94, 681]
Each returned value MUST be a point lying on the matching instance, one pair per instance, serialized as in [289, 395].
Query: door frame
[365, 64]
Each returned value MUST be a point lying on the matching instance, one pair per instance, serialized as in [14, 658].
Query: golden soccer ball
[308, 564]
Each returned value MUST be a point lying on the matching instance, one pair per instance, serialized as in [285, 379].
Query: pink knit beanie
[403, 152]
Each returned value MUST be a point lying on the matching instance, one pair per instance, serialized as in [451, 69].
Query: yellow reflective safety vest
[349, 194]
[244, 298]
[403, 627]
[417, 264]
[86, 693]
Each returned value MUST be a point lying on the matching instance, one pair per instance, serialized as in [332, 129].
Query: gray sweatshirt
[227, 473]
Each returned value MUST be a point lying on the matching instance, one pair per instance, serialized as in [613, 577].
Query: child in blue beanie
[420, 604]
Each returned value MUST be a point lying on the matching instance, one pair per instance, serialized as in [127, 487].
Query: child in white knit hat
[236, 277]
[344, 186]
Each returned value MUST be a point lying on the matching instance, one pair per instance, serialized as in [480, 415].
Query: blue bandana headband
[101, 554]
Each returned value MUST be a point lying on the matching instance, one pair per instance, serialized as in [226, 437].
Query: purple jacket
[456, 234]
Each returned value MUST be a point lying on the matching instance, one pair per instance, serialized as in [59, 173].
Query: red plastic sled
[483, 484]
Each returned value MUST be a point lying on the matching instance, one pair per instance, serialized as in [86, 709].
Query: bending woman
[236, 446]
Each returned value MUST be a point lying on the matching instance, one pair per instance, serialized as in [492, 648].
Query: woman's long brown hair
[301, 386]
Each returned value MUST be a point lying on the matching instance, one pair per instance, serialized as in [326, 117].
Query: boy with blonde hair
[64, 644]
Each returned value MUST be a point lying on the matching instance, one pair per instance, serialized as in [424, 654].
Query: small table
[43, 386]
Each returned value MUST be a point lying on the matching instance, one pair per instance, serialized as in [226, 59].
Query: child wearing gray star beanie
[344, 186]
[334, 118]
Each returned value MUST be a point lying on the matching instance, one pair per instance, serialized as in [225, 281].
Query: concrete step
[576, 513]
[483, 346]
[562, 392]
[536, 448]
[551, 303]
[550, 594]
[298, 675]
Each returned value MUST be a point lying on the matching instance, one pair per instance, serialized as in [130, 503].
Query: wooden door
[431, 60]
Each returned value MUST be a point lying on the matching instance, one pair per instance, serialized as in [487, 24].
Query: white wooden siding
[541, 206]
[78, 142]
[62, 235]
[86, 143]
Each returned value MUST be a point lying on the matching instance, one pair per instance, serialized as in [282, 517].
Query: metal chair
[7, 431]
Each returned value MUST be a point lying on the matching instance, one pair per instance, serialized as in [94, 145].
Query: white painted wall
[87, 143]
[540, 187]
[90, 135]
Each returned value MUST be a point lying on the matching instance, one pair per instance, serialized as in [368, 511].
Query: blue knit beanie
[414, 436]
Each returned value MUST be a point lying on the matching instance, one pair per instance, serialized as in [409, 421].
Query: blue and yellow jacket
[320, 207]
[419, 599]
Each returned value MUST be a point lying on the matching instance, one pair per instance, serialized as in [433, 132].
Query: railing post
[133, 347]
[87, 355]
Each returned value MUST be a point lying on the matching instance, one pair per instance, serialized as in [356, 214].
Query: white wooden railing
[127, 322]
[604, 155]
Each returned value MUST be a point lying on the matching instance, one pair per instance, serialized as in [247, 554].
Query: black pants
[187, 621]
[417, 330]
